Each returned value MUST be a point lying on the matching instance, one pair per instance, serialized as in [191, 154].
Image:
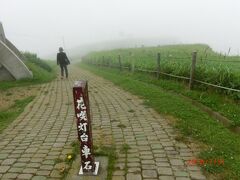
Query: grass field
[176, 59]
[191, 121]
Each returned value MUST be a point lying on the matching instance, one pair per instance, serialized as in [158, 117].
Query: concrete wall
[5, 75]
[11, 64]
[2, 34]
[14, 49]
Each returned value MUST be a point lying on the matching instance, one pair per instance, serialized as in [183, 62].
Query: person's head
[60, 49]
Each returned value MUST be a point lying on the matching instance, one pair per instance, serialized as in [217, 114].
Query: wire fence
[158, 71]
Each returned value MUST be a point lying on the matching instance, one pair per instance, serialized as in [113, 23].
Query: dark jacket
[62, 58]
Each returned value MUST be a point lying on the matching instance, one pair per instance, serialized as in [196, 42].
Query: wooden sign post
[84, 129]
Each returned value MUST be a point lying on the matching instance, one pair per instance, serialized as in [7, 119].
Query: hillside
[211, 67]
[43, 71]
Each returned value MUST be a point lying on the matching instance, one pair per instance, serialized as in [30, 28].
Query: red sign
[84, 129]
[203, 162]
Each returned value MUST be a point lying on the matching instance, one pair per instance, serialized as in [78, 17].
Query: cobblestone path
[44, 132]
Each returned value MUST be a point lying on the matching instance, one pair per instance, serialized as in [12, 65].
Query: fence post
[103, 59]
[132, 65]
[105, 64]
[158, 65]
[109, 62]
[98, 61]
[229, 51]
[120, 63]
[194, 58]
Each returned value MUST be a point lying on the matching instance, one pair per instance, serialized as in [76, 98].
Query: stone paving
[44, 132]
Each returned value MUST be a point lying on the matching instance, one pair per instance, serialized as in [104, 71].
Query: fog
[41, 26]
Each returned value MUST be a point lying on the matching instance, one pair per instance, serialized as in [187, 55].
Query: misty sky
[39, 25]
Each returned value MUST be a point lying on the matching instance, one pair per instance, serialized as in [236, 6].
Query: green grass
[7, 116]
[217, 102]
[124, 150]
[191, 121]
[176, 59]
[67, 162]
[110, 152]
[37, 61]
[43, 71]
[122, 126]
[131, 111]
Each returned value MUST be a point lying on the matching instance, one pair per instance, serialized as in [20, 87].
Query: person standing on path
[63, 61]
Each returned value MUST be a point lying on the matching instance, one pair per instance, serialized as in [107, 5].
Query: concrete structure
[11, 64]
[2, 34]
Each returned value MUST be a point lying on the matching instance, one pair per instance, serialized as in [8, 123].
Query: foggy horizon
[43, 26]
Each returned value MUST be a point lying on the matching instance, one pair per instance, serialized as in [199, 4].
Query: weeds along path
[43, 133]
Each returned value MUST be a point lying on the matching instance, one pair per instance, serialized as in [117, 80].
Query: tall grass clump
[30, 57]
[43, 71]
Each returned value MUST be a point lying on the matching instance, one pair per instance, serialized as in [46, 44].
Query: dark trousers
[64, 68]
